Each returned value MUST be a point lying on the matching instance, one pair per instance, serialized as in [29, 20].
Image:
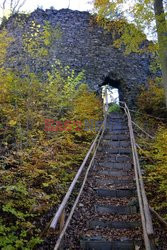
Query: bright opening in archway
[112, 94]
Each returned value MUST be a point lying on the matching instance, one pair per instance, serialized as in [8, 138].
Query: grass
[114, 108]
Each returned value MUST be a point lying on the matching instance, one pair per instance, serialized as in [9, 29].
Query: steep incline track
[107, 216]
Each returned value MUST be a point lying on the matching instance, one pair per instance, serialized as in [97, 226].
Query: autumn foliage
[36, 166]
[152, 117]
[152, 99]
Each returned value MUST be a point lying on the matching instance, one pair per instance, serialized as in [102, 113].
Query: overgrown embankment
[42, 142]
[152, 117]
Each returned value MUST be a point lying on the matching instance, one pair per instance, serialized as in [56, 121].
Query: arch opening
[112, 83]
[113, 90]
[112, 94]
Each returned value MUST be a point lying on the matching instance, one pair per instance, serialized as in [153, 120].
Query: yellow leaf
[12, 123]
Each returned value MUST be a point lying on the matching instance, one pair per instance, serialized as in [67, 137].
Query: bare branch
[69, 4]
[3, 5]
[21, 5]
[13, 5]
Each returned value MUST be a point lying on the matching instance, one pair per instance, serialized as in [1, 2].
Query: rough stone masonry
[88, 47]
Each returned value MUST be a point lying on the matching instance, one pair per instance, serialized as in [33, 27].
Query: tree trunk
[162, 40]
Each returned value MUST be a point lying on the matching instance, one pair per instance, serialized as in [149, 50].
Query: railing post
[106, 98]
[105, 107]
[105, 102]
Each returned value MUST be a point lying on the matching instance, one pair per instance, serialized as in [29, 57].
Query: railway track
[111, 210]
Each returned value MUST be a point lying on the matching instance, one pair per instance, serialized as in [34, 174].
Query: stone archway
[84, 46]
[112, 81]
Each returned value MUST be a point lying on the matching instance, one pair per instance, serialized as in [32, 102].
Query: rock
[81, 205]
[84, 46]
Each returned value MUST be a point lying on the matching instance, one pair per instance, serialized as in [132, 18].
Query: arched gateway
[86, 46]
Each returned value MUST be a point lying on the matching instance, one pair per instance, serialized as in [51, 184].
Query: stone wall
[84, 46]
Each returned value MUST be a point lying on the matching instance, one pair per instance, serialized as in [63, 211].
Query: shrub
[156, 170]
[114, 108]
[152, 100]
[36, 166]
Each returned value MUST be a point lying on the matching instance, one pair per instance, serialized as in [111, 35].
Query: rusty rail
[71, 188]
[143, 131]
[143, 202]
[60, 214]
[146, 219]
[80, 191]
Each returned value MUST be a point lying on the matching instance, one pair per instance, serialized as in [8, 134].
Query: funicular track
[111, 210]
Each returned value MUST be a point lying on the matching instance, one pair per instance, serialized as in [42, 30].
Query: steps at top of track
[107, 216]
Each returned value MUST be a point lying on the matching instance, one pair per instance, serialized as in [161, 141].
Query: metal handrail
[62, 206]
[78, 197]
[61, 210]
[146, 219]
[143, 202]
[143, 131]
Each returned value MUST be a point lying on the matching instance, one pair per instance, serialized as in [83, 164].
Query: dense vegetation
[152, 117]
[133, 20]
[37, 165]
